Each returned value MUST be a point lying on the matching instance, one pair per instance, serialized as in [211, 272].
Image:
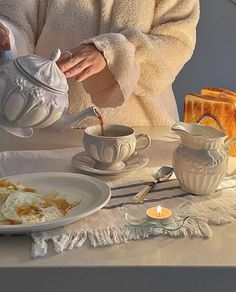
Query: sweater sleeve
[145, 64]
[20, 43]
[22, 15]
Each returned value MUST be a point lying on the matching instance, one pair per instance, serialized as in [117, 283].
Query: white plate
[92, 193]
[82, 161]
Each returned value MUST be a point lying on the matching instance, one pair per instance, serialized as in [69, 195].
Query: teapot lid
[43, 70]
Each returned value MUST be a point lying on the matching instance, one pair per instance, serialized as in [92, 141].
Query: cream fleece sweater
[146, 43]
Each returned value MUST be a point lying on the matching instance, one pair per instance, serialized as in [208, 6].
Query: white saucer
[84, 162]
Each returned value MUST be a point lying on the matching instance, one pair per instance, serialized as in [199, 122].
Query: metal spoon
[163, 174]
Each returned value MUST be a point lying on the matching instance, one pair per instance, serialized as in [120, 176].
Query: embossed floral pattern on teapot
[200, 161]
[33, 94]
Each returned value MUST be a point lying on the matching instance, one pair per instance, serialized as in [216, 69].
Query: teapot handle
[208, 115]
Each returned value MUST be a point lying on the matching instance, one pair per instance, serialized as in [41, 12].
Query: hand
[86, 61]
[4, 38]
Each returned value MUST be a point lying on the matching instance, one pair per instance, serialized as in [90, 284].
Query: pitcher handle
[227, 144]
[208, 115]
[226, 147]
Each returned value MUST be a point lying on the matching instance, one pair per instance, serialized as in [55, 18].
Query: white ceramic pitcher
[200, 161]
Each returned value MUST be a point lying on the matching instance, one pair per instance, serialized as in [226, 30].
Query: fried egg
[28, 208]
[4, 193]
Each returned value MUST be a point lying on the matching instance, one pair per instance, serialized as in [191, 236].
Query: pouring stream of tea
[100, 119]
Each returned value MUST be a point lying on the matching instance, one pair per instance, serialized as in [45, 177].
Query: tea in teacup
[111, 150]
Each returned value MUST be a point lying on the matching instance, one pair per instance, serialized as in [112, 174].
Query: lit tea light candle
[159, 213]
[159, 209]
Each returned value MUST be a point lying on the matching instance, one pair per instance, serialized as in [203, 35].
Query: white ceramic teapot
[200, 161]
[33, 94]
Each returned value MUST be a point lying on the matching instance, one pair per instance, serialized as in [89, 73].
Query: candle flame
[159, 210]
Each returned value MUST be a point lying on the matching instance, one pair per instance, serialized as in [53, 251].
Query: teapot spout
[69, 121]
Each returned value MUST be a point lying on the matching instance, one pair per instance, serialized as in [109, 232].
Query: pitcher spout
[182, 129]
[70, 120]
[198, 136]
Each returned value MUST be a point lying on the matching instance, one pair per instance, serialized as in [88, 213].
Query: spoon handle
[140, 196]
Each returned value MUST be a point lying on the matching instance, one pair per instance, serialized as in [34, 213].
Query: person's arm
[20, 18]
[19, 43]
[146, 64]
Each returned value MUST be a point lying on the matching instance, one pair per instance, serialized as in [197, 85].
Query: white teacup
[112, 150]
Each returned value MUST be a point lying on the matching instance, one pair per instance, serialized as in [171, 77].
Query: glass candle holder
[138, 215]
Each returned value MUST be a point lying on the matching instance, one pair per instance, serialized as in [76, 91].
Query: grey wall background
[214, 61]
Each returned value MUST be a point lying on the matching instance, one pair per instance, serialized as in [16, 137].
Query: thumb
[4, 28]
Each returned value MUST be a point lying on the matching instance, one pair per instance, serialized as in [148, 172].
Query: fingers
[4, 28]
[82, 62]
[67, 63]
[79, 68]
[86, 73]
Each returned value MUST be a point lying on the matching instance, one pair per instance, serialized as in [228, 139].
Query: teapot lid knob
[43, 70]
[55, 55]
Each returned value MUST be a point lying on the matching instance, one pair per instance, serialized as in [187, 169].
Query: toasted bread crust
[218, 92]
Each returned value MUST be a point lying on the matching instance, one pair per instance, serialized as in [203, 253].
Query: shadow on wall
[214, 61]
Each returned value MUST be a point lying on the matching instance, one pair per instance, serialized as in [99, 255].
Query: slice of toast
[218, 92]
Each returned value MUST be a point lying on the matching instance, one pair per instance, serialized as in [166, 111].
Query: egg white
[49, 214]
[18, 199]
[4, 193]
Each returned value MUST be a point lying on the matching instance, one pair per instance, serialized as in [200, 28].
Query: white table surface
[160, 254]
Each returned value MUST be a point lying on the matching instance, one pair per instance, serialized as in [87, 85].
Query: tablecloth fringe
[113, 235]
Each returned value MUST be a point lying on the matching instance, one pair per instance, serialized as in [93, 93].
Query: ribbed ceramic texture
[201, 142]
[109, 151]
[199, 171]
[24, 104]
[197, 183]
